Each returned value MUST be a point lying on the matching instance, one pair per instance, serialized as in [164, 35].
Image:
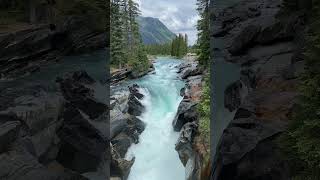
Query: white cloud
[180, 16]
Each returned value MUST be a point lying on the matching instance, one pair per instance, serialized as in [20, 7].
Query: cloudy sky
[180, 16]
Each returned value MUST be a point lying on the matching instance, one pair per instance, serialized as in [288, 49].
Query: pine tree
[203, 41]
[179, 46]
[186, 43]
[117, 35]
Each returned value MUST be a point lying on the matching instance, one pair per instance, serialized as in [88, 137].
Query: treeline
[179, 46]
[203, 25]
[301, 143]
[159, 49]
[126, 44]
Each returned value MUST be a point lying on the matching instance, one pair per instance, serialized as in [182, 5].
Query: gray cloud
[180, 16]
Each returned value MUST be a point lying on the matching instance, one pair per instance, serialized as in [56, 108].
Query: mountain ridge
[153, 31]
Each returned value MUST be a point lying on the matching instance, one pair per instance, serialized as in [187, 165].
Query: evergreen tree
[126, 44]
[179, 46]
[117, 35]
[186, 43]
[203, 41]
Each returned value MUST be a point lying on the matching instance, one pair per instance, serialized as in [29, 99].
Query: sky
[180, 16]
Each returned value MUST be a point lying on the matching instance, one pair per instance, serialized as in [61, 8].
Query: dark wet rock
[136, 124]
[233, 95]
[24, 51]
[119, 167]
[121, 143]
[239, 144]
[120, 75]
[187, 112]
[264, 160]
[185, 141]
[193, 168]
[281, 30]
[191, 71]
[16, 165]
[135, 107]
[8, 134]
[244, 39]
[182, 91]
[40, 116]
[76, 90]
[266, 44]
[81, 142]
[129, 134]
[248, 77]
[117, 126]
[242, 60]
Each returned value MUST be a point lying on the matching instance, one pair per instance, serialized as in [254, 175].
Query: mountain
[153, 31]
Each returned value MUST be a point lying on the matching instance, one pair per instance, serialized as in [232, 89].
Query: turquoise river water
[155, 154]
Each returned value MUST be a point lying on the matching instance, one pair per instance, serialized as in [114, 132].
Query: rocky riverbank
[267, 46]
[24, 51]
[187, 119]
[125, 129]
[48, 135]
[123, 74]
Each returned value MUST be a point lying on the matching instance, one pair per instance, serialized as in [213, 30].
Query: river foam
[155, 154]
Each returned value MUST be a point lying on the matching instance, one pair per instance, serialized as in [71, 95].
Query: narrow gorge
[163, 106]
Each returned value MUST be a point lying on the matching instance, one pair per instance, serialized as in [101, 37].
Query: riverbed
[155, 154]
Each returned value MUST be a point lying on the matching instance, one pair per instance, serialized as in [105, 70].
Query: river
[155, 154]
[94, 63]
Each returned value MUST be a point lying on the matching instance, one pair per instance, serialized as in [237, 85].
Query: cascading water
[155, 154]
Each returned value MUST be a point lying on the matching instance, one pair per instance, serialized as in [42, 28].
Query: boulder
[233, 95]
[24, 51]
[184, 143]
[187, 112]
[119, 167]
[17, 165]
[193, 70]
[121, 143]
[120, 75]
[8, 133]
[76, 89]
[193, 168]
[40, 116]
[117, 126]
[135, 107]
[81, 142]
[282, 29]
[244, 39]
[194, 88]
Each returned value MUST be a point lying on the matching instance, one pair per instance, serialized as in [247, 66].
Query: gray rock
[117, 126]
[119, 167]
[16, 165]
[184, 143]
[8, 134]
[233, 95]
[191, 71]
[76, 90]
[193, 169]
[81, 142]
[187, 112]
[135, 107]
[121, 144]
[244, 39]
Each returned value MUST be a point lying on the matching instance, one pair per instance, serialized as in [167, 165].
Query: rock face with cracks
[267, 46]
